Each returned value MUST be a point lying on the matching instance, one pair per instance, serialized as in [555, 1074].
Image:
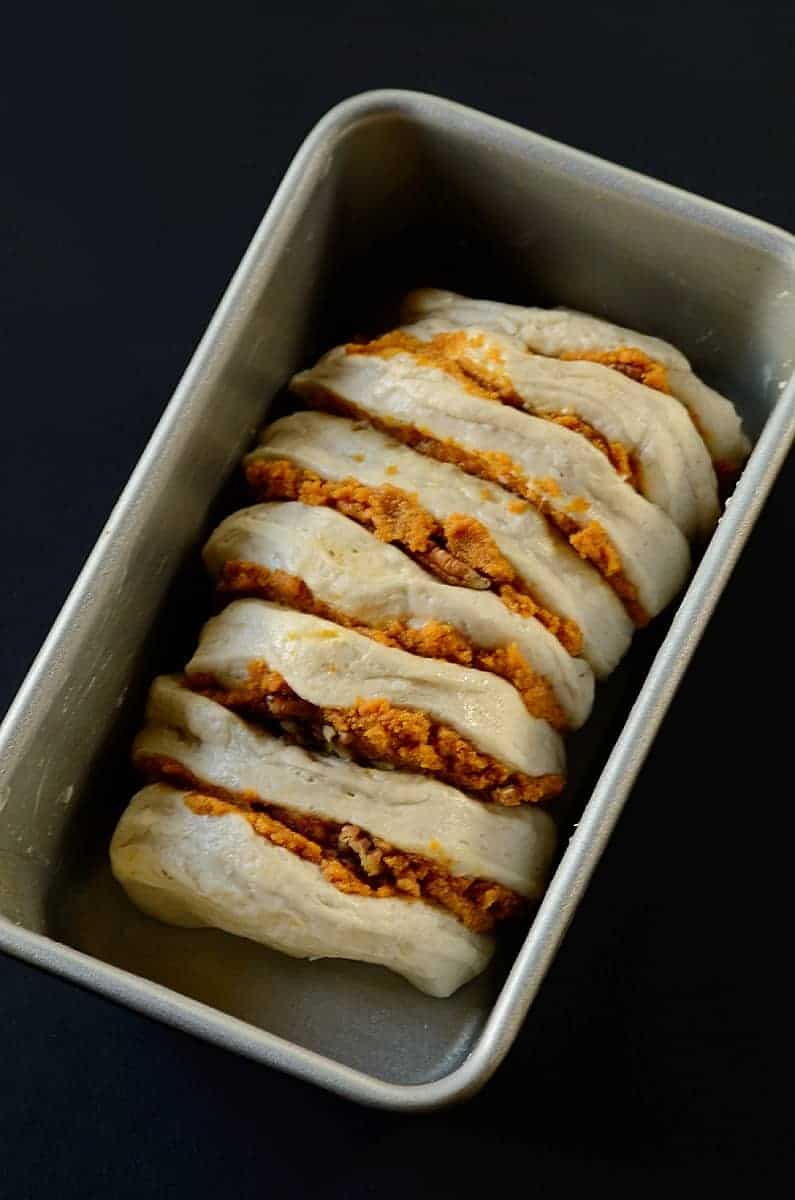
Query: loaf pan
[391, 190]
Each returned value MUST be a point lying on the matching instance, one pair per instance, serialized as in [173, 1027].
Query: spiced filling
[591, 540]
[353, 860]
[459, 550]
[448, 352]
[434, 639]
[627, 360]
[638, 365]
[378, 732]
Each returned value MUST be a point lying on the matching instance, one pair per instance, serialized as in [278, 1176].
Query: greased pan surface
[391, 190]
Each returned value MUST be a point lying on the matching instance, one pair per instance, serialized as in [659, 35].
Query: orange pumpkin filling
[351, 859]
[448, 352]
[460, 551]
[638, 365]
[592, 541]
[629, 361]
[378, 731]
[435, 639]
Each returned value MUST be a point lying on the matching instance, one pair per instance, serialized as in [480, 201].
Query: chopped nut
[451, 570]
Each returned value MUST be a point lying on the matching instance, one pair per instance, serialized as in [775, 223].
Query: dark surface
[143, 150]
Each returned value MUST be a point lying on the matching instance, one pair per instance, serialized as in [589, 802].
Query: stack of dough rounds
[443, 554]
[564, 333]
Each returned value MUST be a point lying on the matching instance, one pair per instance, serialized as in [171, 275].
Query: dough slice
[381, 704]
[315, 559]
[647, 435]
[196, 742]
[561, 332]
[196, 868]
[417, 503]
[633, 544]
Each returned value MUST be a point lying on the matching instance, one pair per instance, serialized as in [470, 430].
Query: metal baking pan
[390, 190]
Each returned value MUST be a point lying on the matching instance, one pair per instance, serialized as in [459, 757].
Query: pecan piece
[351, 838]
[445, 566]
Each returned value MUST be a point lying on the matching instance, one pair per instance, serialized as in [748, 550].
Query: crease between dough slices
[634, 545]
[350, 833]
[386, 704]
[558, 332]
[335, 448]
[647, 436]
[193, 859]
[316, 560]
[417, 814]
[394, 737]
[184, 868]
[358, 863]
[459, 550]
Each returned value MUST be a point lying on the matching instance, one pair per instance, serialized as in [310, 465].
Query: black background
[140, 148]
